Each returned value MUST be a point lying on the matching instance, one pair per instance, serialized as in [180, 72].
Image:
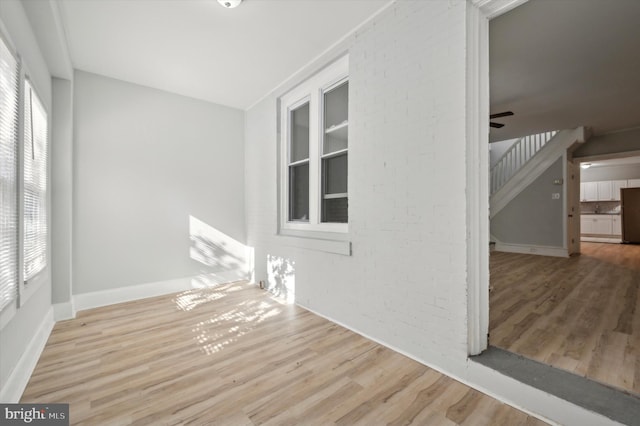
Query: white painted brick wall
[405, 283]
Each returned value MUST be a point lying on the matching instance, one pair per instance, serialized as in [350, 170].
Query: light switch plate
[555, 196]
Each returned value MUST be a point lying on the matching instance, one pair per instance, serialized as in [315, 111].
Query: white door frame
[479, 12]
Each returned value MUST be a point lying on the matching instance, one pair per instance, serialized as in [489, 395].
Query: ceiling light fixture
[585, 165]
[230, 4]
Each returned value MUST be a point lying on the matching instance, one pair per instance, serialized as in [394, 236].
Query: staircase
[517, 156]
[525, 161]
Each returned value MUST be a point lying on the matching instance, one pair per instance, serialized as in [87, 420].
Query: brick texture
[405, 282]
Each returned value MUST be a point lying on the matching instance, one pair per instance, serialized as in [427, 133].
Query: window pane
[35, 184]
[336, 106]
[299, 192]
[8, 176]
[335, 174]
[335, 210]
[300, 133]
[335, 140]
[334, 189]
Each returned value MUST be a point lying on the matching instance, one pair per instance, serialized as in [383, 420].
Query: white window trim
[8, 311]
[311, 91]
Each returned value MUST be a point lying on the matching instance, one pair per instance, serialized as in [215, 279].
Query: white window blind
[35, 184]
[9, 80]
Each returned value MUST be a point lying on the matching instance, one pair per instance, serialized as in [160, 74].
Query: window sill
[312, 241]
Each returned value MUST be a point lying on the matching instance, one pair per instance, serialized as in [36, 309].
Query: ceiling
[199, 49]
[563, 64]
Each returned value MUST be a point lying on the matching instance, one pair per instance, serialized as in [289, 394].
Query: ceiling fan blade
[496, 125]
[501, 114]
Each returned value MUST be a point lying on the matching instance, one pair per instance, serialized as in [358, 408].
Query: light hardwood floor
[232, 355]
[580, 314]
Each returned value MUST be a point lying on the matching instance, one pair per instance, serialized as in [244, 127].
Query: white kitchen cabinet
[603, 225]
[596, 224]
[616, 226]
[616, 185]
[605, 190]
[633, 183]
[590, 191]
[586, 224]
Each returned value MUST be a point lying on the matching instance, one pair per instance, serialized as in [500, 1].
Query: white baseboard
[612, 240]
[64, 311]
[101, 298]
[532, 249]
[12, 390]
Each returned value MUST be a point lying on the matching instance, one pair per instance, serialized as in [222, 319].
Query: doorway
[577, 313]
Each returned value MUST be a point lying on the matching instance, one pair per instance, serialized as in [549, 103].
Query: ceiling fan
[498, 115]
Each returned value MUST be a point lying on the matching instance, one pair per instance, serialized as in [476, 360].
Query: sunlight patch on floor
[240, 320]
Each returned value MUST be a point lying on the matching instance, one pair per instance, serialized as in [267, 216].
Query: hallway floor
[579, 314]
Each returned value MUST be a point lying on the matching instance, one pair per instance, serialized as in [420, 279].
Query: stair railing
[517, 156]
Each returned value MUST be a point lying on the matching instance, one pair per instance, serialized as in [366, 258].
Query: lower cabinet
[616, 226]
[598, 224]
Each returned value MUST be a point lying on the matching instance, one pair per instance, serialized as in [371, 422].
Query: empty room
[243, 212]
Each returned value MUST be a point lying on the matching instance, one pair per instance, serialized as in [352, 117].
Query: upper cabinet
[589, 191]
[605, 190]
[608, 190]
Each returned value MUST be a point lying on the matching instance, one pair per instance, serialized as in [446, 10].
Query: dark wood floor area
[232, 355]
[580, 314]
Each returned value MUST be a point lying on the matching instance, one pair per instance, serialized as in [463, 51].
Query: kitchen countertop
[601, 214]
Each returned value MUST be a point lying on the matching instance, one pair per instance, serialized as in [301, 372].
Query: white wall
[405, 282]
[16, 336]
[148, 165]
[619, 172]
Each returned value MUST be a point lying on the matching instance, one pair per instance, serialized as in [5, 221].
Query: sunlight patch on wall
[281, 279]
[224, 258]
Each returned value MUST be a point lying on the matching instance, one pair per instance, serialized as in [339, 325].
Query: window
[9, 78]
[314, 148]
[35, 184]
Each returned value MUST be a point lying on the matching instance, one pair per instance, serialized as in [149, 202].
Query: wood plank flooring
[580, 314]
[232, 355]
